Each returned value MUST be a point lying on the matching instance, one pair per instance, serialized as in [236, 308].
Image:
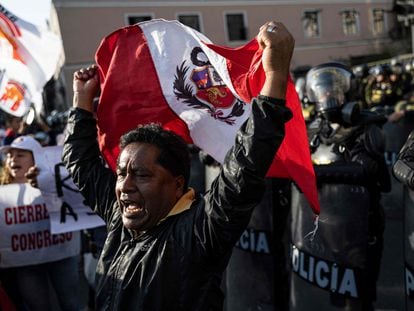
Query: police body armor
[329, 268]
[336, 267]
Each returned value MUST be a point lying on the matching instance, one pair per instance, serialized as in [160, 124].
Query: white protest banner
[64, 202]
[25, 237]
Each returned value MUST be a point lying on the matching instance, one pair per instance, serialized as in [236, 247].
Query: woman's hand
[31, 176]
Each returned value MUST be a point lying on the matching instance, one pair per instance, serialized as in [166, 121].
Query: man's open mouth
[132, 209]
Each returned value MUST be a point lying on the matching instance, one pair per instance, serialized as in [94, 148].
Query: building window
[311, 23]
[134, 19]
[350, 22]
[191, 20]
[236, 27]
[378, 19]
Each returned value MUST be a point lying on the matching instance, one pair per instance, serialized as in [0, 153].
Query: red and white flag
[17, 88]
[32, 28]
[31, 52]
[163, 71]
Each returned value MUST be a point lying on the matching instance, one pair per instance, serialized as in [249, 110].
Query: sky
[34, 11]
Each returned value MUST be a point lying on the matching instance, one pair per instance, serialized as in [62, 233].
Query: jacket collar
[183, 204]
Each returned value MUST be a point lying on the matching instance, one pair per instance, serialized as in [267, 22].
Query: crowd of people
[385, 86]
[167, 247]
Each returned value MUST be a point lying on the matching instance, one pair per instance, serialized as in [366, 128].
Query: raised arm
[241, 182]
[81, 154]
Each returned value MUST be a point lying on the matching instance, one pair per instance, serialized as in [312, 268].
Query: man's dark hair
[174, 155]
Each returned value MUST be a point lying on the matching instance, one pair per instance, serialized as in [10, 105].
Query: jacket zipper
[118, 268]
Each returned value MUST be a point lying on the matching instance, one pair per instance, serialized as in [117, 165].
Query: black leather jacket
[178, 264]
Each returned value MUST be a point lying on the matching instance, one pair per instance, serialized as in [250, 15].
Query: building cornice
[135, 4]
[339, 44]
[330, 45]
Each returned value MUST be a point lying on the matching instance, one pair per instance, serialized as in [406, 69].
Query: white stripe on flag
[171, 44]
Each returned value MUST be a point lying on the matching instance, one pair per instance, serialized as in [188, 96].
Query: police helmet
[408, 66]
[394, 61]
[327, 86]
[382, 69]
[300, 87]
[360, 71]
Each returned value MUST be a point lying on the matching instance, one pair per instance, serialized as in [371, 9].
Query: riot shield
[258, 256]
[328, 269]
[409, 247]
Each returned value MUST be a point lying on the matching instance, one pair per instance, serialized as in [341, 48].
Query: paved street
[391, 282]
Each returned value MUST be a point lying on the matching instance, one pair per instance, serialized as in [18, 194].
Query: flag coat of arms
[163, 71]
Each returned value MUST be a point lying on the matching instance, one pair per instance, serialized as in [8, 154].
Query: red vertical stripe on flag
[293, 158]
[130, 91]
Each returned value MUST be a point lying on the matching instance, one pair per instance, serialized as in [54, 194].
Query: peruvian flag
[163, 71]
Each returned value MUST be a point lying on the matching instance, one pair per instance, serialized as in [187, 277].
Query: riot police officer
[400, 79]
[347, 150]
[308, 109]
[379, 90]
[361, 74]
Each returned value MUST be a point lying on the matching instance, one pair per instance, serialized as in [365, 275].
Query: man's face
[146, 191]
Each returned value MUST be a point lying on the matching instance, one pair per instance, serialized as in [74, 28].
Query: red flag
[293, 159]
[162, 71]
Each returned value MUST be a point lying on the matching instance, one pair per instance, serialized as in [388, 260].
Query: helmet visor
[326, 86]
